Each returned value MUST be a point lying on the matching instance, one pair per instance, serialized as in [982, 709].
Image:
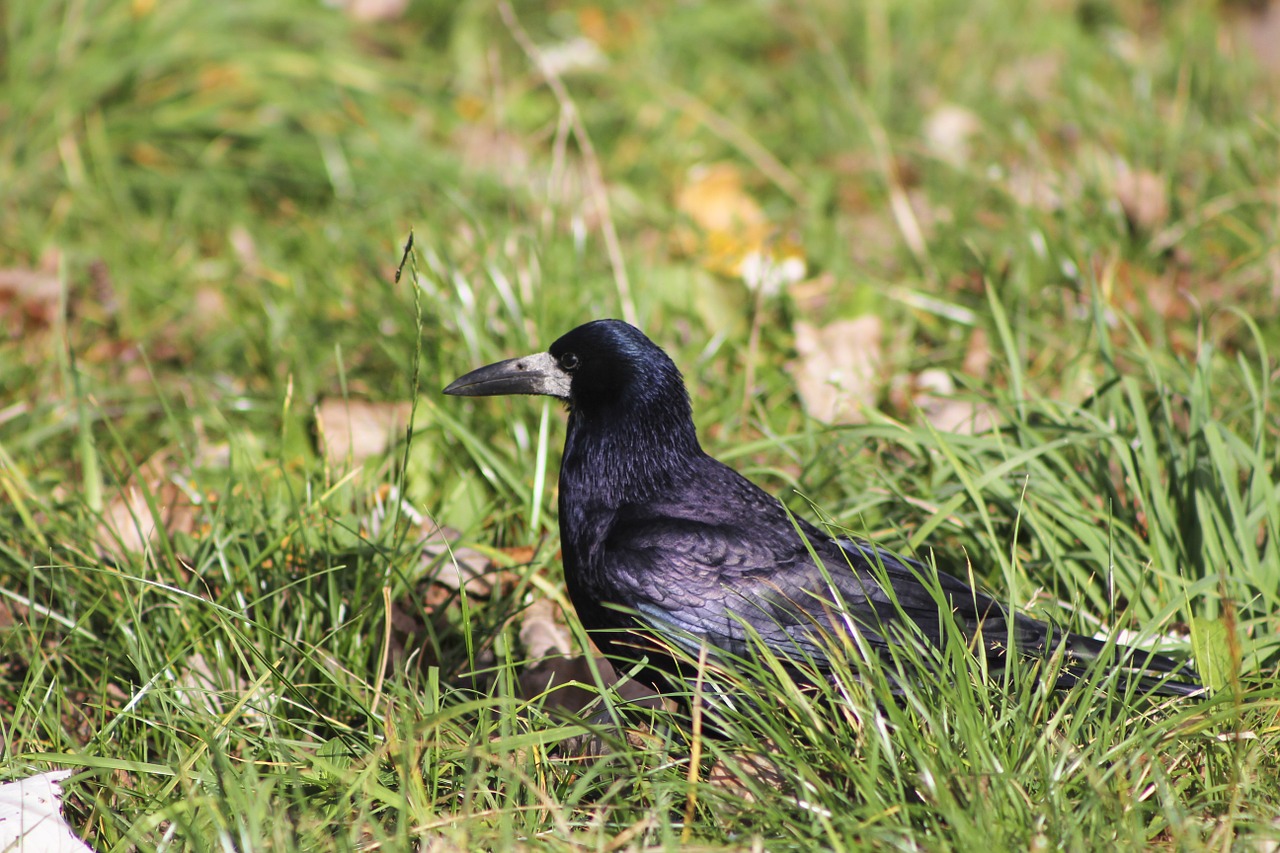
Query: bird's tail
[1148, 672]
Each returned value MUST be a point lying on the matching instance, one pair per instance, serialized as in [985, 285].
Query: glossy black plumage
[661, 540]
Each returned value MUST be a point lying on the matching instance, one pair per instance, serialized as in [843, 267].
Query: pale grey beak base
[531, 374]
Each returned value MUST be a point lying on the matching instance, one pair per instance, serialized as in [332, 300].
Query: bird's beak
[530, 374]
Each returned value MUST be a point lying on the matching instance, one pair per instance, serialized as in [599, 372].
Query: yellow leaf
[715, 199]
[736, 238]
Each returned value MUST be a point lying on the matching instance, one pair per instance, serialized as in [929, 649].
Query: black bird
[664, 543]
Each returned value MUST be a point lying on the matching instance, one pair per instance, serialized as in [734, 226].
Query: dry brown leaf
[460, 565]
[197, 687]
[935, 395]
[356, 429]
[552, 663]
[1143, 196]
[128, 525]
[948, 131]
[977, 357]
[837, 368]
[562, 681]
[210, 304]
[29, 296]
[554, 669]
[1134, 288]
[542, 632]
[734, 772]
[1259, 26]
[561, 678]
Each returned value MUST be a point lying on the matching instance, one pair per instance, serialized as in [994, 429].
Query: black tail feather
[1150, 672]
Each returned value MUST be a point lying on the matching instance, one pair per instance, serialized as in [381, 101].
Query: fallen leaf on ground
[948, 131]
[552, 664]
[542, 633]
[731, 233]
[563, 679]
[977, 356]
[1135, 288]
[196, 686]
[460, 565]
[1143, 196]
[554, 669]
[355, 430]
[935, 396]
[715, 199]
[736, 773]
[1259, 25]
[837, 368]
[29, 296]
[128, 525]
[31, 816]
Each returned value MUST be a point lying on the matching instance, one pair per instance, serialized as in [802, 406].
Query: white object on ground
[31, 816]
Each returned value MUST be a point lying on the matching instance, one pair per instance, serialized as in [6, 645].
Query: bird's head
[601, 367]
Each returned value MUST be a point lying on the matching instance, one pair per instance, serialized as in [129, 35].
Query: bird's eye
[569, 362]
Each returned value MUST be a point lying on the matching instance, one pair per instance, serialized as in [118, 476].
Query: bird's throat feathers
[618, 455]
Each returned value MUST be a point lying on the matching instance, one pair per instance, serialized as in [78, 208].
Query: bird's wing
[923, 595]
[702, 580]
[694, 581]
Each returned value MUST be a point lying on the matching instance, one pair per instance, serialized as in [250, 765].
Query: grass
[216, 197]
